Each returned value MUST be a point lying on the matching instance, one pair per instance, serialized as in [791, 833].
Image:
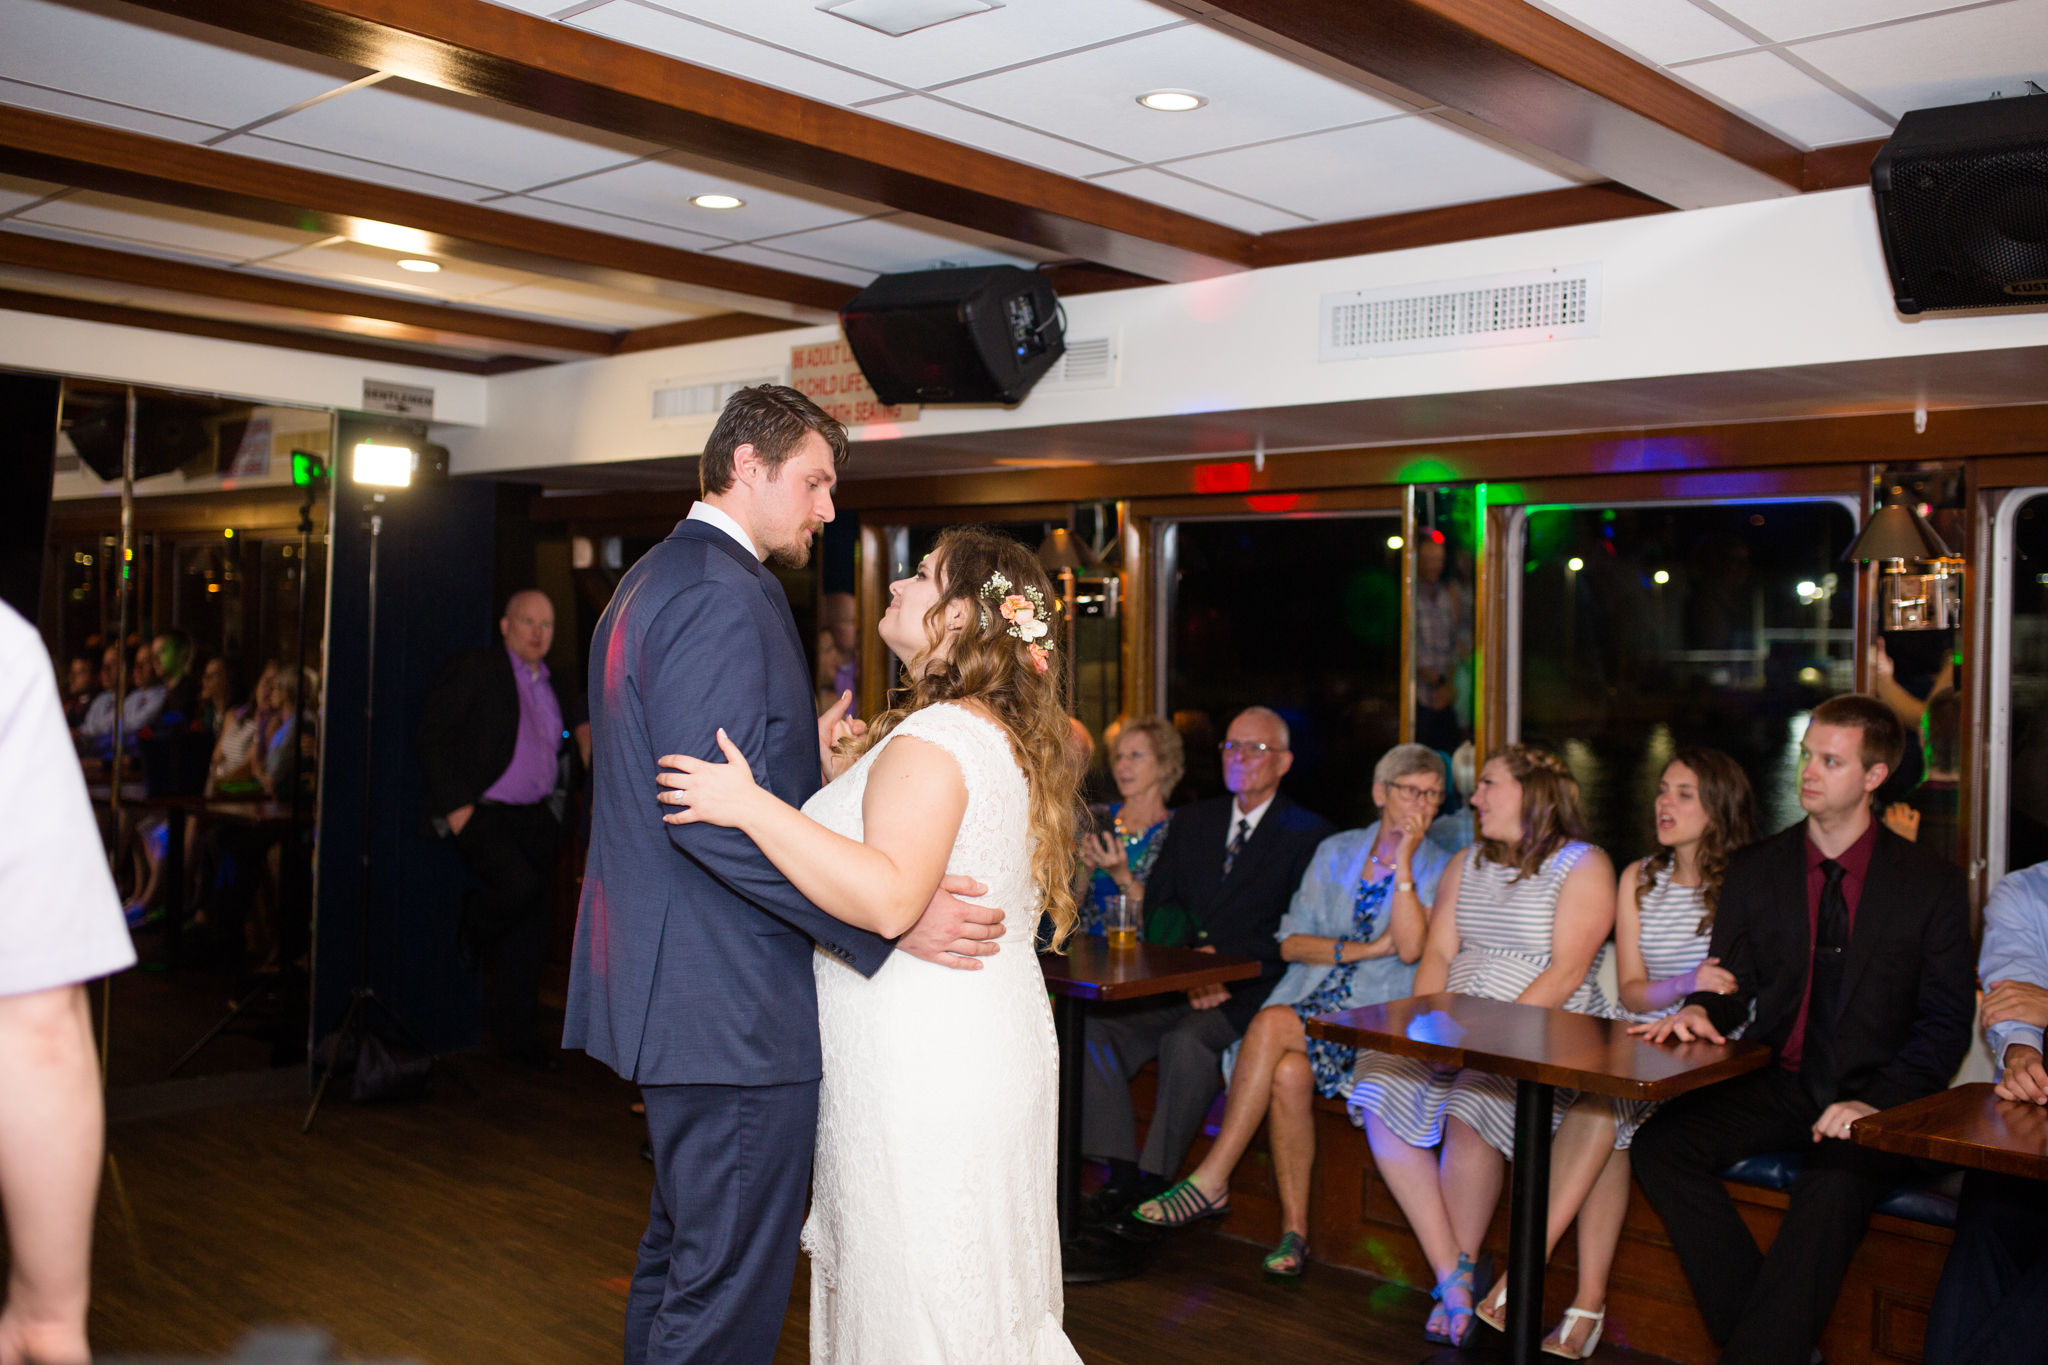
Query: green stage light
[308, 469]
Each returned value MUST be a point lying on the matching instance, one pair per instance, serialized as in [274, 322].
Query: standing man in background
[497, 777]
[60, 926]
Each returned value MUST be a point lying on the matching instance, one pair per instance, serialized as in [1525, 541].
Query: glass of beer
[1120, 922]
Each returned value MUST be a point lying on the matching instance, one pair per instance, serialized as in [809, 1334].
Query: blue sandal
[1453, 1334]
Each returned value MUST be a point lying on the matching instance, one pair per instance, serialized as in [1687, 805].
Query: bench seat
[1354, 1221]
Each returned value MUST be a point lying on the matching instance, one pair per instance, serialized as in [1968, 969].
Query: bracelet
[1404, 886]
[1337, 951]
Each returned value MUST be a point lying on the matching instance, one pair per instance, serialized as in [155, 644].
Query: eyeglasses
[1248, 748]
[1430, 795]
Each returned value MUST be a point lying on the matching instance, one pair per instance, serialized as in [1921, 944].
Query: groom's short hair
[773, 419]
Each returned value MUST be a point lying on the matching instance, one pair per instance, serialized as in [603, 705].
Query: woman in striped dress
[1521, 916]
[1663, 920]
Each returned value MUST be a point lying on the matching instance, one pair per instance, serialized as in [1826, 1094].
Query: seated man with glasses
[1221, 883]
[1352, 936]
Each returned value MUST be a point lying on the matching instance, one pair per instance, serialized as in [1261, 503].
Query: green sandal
[1183, 1204]
[1293, 1248]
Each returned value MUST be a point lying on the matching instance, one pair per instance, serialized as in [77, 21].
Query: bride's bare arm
[911, 815]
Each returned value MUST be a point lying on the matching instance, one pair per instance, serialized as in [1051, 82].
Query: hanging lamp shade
[1064, 552]
[1897, 531]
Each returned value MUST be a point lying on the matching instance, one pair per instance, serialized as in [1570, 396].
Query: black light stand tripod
[355, 1027]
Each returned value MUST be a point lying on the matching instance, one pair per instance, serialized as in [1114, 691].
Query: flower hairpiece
[1025, 611]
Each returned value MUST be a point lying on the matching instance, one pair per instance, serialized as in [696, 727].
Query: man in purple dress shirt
[491, 742]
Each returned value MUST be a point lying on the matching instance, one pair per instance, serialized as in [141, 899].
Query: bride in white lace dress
[933, 1232]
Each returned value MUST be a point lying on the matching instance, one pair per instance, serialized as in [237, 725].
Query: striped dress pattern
[1672, 945]
[1504, 930]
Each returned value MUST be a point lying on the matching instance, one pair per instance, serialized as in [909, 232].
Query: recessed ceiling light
[423, 267]
[1173, 101]
[718, 201]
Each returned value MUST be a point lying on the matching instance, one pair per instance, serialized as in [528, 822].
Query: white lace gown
[933, 1232]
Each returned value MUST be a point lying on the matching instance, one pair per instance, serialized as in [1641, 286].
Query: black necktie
[1818, 1070]
[1237, 838]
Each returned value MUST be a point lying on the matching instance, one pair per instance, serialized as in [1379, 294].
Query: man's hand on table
[1688, 1025]
[1835, 1120]
[953, 933]
[2025, 1078]
[2016, 1002]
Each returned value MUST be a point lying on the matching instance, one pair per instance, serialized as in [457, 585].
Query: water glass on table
[1120, 922]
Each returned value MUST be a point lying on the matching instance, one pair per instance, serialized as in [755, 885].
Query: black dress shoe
[647, 1150]
[1094, 1257]
[533, 1053]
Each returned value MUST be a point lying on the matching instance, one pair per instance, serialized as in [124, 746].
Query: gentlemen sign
[399, 400]
[828, 375]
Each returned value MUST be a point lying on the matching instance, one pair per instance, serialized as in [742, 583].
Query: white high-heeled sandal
[1572, 1316]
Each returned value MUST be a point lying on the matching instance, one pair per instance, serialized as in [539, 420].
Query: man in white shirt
[60, 925]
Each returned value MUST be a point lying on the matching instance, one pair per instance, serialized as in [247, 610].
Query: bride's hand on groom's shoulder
[704, 792]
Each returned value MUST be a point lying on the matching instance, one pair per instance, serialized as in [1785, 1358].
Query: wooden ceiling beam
[1518, 76]
[45, 147]
[183, 324]
[531, 63]
[691, 331]
[341, 309]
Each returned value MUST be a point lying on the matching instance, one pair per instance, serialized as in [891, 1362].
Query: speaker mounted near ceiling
[169, 431]
[1962, 205]
[979, 335]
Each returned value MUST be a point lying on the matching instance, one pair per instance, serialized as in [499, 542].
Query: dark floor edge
[130, 1102]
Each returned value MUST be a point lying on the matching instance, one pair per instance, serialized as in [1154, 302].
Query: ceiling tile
[1019, 32]
[1388, 167]
[401, 123]
[130, 222]
[887, 246]
[1772, 91]
[1661, 30]
[660, 192]
[604, 222]
[1200, 200]
[1092, 97]
[801, 265]
[1787, 19]
[701, 45]
[366, 266]
[567, 303]
[540, 7]
[16, 191]
[149, 61]
[352, 168]
[1954, 58]
[988, 134]
[22, 95]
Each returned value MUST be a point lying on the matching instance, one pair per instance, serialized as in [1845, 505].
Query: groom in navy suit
[692, 967]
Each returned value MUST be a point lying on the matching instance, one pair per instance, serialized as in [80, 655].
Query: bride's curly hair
[989, 666]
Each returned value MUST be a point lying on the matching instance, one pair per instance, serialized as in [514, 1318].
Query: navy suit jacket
[692, 963]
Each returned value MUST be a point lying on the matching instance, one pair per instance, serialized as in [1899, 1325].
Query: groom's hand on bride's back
[953, 933]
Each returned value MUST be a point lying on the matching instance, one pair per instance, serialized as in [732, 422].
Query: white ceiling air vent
[1558, 304]
[675, 399]
[898, 17]
[1090, 363]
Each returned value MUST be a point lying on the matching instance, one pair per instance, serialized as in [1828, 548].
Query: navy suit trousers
[732, 1167]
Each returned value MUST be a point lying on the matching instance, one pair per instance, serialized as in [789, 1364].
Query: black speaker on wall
[1962, 205]
[979, 335]
[168, 432]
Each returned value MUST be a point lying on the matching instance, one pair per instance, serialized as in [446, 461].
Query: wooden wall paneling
[1370, 499]
[912, 515]
[1140, 574]
[2013, 471]
[1492, 628]
[871, 598]
[528, 62]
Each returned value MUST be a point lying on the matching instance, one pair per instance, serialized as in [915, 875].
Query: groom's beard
[797, 553]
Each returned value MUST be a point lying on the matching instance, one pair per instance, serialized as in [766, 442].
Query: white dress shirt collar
[719, 517]
[1250, 817]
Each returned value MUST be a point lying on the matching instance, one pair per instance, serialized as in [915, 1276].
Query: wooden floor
[500, 1227]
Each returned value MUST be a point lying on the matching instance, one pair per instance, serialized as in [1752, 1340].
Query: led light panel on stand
[385, 466]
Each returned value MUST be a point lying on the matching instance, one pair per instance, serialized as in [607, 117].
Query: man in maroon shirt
[1853, 947]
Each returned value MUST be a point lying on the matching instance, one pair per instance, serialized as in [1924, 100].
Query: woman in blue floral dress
[1146, 760]
[1352, 935]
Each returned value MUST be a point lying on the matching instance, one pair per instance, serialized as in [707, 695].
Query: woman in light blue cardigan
[1353, 933]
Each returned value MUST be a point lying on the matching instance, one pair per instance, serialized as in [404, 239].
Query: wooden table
[1088, 970]
[1539, 1049]
[1966, 1125]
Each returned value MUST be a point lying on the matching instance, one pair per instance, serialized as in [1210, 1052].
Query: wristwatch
[1404, 886]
